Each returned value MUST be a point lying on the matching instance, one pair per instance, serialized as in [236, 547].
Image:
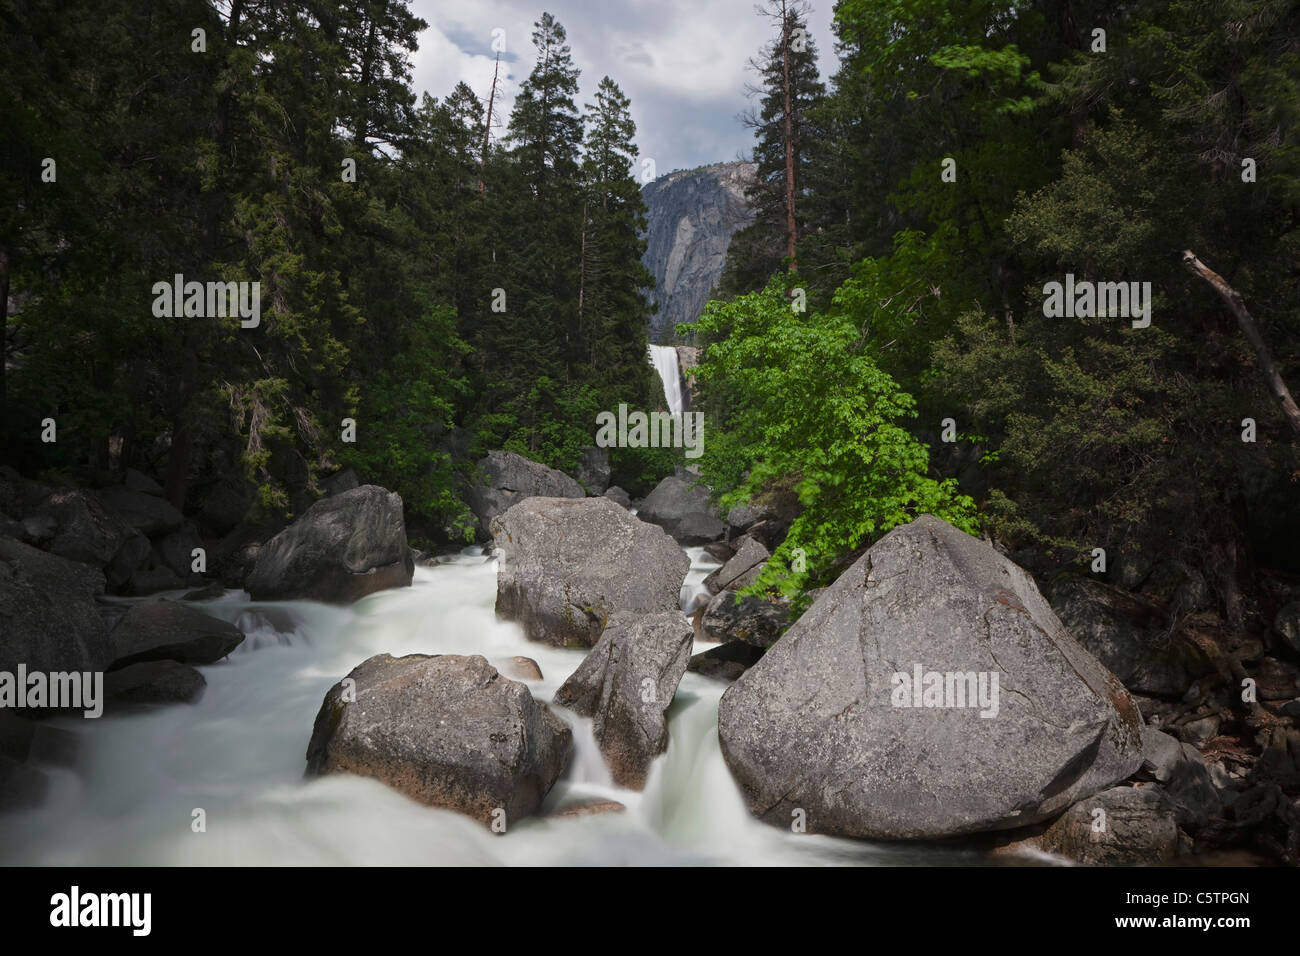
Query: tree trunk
[487, 126]
[789, 142]
[1266, 367]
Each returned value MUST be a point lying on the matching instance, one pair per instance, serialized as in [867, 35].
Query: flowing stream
[239, 754]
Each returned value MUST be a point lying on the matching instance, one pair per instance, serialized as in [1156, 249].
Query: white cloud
[681, 62]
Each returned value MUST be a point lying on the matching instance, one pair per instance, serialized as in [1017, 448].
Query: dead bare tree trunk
[789, 141]
[1262, 355]
[487, 125]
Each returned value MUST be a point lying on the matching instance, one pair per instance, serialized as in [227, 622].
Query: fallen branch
[1234, 302]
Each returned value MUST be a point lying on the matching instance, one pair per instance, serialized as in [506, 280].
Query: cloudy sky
[683, 63]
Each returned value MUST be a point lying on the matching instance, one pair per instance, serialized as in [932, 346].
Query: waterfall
[664, 359]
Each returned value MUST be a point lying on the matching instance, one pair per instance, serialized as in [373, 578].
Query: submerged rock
[448, 731]
[567, 564]
[626, 684]
[342, 548]
[828, 721]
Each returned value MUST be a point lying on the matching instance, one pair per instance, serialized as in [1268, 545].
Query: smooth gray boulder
[510, 479]
[342, 548]
[742, 568]
[1182, 770]
[699, 528]
[626, 684]
[167, 631]
[672, 500]
[566, 565]
[448, 731]
[48, 615]
[1122, 826]
[826, 721]
[754, 620]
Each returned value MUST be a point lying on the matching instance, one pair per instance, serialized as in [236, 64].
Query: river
[238, 754]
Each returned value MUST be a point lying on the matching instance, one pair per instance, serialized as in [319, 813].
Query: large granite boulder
[626, 684]
[48, 615]
[342, 548]
[168, 631]
[448, 731]
[673, 499]
[930, 691]
[566, 565]
[510, 479]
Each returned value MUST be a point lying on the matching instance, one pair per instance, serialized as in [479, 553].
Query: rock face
[827, 722]
[1126, 634]
[626, 684]
[692, 216]
[673, 500]
[510, 479]
[167, 631]
[342, 548]
[448, 731]
[566, 565]
[48, 617]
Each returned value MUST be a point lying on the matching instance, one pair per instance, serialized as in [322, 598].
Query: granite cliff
[693, 215]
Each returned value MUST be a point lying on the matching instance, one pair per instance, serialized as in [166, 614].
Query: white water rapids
[239, 754]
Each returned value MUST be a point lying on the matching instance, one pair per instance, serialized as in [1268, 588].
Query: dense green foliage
[1073, 433]
[808, 402]
[232, 162]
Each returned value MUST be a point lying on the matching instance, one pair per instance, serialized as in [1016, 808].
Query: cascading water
[238, 754]
[664, 359]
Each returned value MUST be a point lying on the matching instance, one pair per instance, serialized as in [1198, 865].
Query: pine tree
[789, 92]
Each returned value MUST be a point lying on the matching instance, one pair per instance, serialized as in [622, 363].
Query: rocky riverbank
[934, 692]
